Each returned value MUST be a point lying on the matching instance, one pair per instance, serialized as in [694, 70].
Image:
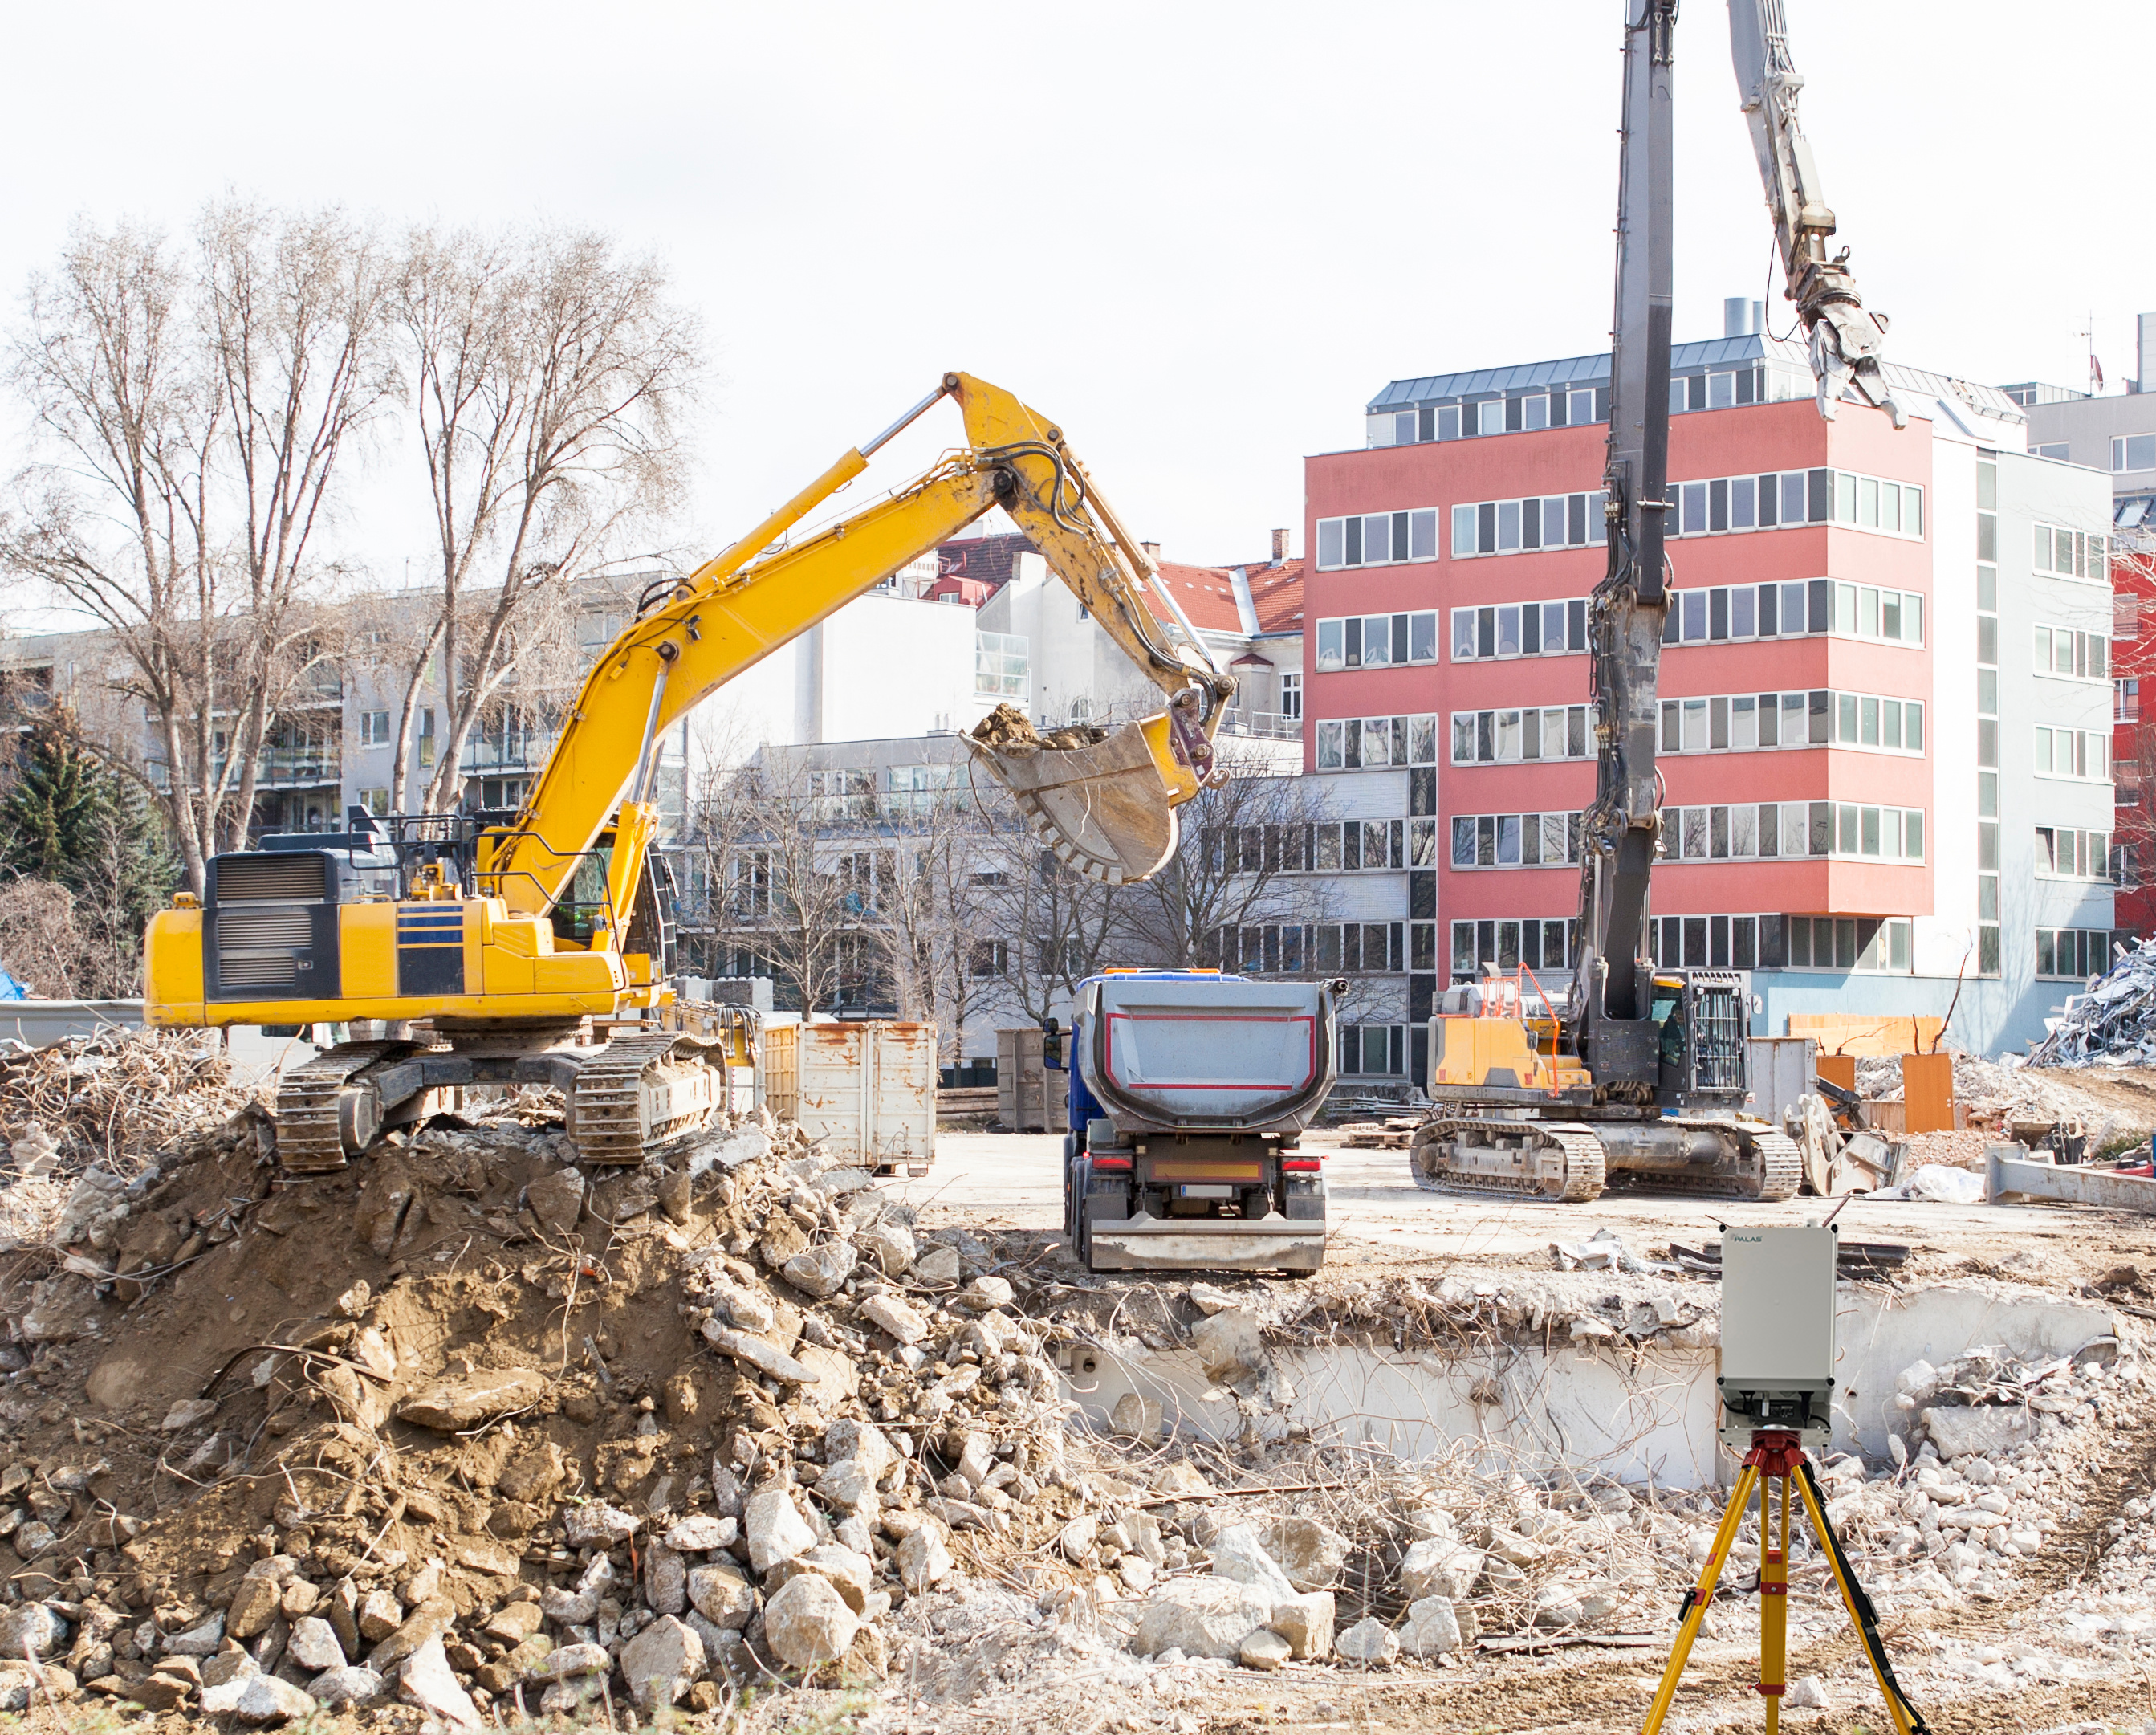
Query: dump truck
[1189, 1091]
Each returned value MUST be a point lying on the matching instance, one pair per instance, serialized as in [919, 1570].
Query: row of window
[1377, 539]
[1505, 840]
[2063, 853]
[1861, 943]
[2132, 451]
[2065, 554]
[1504, 738]
[1323, 948]
[1324, 847]
[1373, 1050]
[1746, 723]
[1519, 526]
[1381, 641]
[1771, 830]
[2063, 650]
[1526, 414]
[1794, 609]
[1361, 744]
[2082, 753]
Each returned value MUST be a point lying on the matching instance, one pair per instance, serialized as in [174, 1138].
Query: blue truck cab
[1188, 1094]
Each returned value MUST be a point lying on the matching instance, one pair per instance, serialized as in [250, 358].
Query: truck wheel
[1073, 1193]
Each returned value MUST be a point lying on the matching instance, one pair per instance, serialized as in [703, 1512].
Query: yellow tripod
[1776, 1464]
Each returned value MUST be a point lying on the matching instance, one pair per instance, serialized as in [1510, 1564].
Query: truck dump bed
[1218, 1053]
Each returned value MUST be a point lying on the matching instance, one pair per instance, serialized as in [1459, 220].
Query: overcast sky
[1200, 236]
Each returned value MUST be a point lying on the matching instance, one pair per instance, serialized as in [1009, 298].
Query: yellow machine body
[1500, 1052]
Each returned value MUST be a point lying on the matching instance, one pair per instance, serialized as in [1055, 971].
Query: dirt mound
[501, 1427]
[1009, 730]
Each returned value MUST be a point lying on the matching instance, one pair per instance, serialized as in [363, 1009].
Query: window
[376, 802]
[1001, 666]
[1511, 840]
[1516, 527]
[426, 735]
[2135, 451]
[2076, 656]
[989, 957]
[2078, 953]
[2126, 700]
[1375, 641]
[1552, 628]
[1724, 942]
[1869, 944]
[374, 729]
[1377, 539]
[2064, 553]
[1378, 1050]
[2063, 853]
[1359, 743]
[1502, 737]
[2081, 753]
[1290, 694]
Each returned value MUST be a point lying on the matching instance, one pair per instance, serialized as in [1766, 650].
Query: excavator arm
[1108, 808]
[1847, 341]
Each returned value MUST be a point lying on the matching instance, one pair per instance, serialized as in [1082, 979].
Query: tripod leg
[1861, 1615]
[1774, 1598]
[1696, 1599]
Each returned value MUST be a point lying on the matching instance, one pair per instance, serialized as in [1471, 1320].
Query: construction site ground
[465, 1438]
[1377, 1220]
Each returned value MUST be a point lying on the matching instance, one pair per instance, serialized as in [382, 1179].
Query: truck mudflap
[1143, 1243]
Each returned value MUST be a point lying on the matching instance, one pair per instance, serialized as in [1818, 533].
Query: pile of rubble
[2113, 1023]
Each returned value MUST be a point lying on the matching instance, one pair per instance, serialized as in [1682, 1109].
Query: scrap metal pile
[2113, 1023]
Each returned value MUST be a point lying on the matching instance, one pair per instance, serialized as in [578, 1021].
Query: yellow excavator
[536, 947]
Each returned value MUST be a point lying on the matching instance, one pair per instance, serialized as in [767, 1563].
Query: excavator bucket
[1105, 802]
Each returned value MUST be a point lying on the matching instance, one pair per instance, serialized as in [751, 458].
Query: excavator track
[312, 1108]
[626, 1100]
[1771, 1168]
[1578, 1171]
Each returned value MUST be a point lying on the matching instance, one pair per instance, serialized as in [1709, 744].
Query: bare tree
[193, 407]
[547, 375]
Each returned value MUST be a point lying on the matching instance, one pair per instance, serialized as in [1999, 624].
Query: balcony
[518, 750]
[298, 767]
[1261, 725]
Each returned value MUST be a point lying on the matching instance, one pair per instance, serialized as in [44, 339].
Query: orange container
[1838, 1069]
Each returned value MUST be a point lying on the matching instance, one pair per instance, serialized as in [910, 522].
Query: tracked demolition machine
[1642, 1072]
[536, 946]
[1188, 1092]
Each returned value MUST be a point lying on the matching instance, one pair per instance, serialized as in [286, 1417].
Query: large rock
[557, 1199]
[862, 1441]
[850, 1574]
[722, 1596]
[766, 1358]
[699, 1533]
[923, 1560]
[595, 1526]
[1201, 1617]
[455, 1404]
[565, 1660]
[1965, 1431]
[665, 1580]
[1432, 1628]
[35, 1628]
[1309, 1554]
[848, 1484]
[821, 1270]
[937, 1268]
[775, 1529]
[1239, 1554]
[574, 1608]
[314, 1645]
[890, 1245]
[1367, 1642]
[1265, 1649]
[1305, 1622]
[199, 1641]
[380, 1615]
[1231, 1345]
[1439, 1566]
[807, 1622]
[889, 1314]
[661, 1663]
[267, 1699]
[533, 1473]
[255, 1603]
[427, 1682]
[348, 1685]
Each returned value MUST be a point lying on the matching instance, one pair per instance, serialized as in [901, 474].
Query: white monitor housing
[1778, 1353]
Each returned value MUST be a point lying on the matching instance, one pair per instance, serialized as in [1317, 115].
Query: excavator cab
[1700, 1015]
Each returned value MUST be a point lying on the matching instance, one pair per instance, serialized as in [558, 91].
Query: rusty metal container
[866, 1089]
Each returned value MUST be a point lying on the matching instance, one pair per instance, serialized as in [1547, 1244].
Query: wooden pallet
[1390, 1135]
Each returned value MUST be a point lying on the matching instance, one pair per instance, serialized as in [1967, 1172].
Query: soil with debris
[466, 1432]
[1009, 729]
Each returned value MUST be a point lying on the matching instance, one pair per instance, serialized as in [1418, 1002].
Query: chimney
[1280, 547]
[1151, 551]
[2144, 359]
[1740, 317]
